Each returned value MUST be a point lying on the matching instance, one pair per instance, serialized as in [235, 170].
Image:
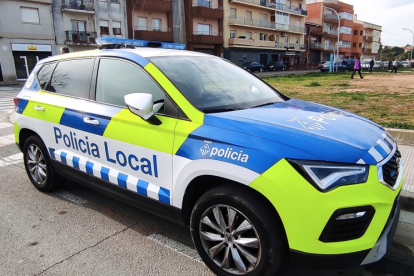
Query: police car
[195, 139]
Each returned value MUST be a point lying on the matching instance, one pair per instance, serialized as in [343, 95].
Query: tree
[396, 51]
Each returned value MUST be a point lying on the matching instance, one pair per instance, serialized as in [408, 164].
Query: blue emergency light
[109, 42]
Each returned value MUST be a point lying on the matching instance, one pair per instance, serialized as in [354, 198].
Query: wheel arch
[24, 134]
[203, 183]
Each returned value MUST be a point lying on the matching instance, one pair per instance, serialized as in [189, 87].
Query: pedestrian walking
[371, 65]
[357, 68]
[395, 67]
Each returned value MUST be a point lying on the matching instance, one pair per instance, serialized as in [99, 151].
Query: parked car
[324, 66]
[405, 64]
[348, 64]
[380, 64]
[254, 66]
[275, 65]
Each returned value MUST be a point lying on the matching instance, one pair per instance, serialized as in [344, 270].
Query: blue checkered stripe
[113, 176]
[382, 149]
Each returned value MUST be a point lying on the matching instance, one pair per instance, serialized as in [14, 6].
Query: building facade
[26, 36]
[371, 40]
[313, 43]
[264, 31]
[78, 23]
[150, 20]
[320, 12]
[357, 40]
[204, 26]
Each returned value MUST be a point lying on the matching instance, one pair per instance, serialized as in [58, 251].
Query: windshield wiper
[216, 110]
[269, 103]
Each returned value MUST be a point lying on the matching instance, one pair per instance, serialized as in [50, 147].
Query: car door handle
[39, 108]
[91, 121]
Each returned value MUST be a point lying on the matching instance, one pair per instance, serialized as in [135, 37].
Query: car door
[133, 153]
[59, 107]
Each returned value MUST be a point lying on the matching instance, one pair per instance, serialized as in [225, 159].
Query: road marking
[12, 159]
[176, 246]
[7, 140]
[71, 197]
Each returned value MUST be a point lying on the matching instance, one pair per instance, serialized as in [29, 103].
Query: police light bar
[108, 42]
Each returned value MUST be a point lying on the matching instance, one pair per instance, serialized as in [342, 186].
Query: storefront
[26, 56]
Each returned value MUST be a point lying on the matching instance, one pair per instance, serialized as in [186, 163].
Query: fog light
[351, 216]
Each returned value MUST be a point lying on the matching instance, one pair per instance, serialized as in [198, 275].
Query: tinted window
[44, 74]
[73, 78]
[118, 78]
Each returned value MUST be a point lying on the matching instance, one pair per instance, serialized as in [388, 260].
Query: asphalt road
[76, 231]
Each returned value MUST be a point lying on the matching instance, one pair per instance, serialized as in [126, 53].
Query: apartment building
[150, 20]
[78, 23]
[371, 40]
[313, 43]
[357, 40]
[26, 36]
[264, 31]
[321, 12]
[204, 26]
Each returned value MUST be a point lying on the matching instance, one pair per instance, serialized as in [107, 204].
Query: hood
[327, 133]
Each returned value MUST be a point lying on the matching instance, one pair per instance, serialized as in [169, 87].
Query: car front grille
[391, 169]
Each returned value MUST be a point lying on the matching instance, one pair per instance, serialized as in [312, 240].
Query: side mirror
[141, 104]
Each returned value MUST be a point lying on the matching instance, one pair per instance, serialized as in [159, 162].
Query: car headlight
[327, 176]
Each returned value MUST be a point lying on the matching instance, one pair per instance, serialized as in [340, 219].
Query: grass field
[387, 99]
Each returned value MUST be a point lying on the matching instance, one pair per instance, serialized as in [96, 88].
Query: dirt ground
[401, 83]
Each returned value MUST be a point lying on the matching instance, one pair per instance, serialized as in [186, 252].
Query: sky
[392, 15]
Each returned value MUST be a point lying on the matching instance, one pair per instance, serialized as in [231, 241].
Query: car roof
[133, 54]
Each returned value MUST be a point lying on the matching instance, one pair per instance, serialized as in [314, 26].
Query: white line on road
[176, 246]
[4, 125]
[7, 140]
[12, 159]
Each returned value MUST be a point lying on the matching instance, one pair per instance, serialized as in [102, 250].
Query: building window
[116, 28]
[354, 44]
[282, 20]
[142, 23]
[78, 31]
[156, 24]
[360, 45]
[287, 40]
[232, 13]
[205, 3]
[204, 29]
[248, 35]
[345, 30]
[263, 36]
[233, 34]
[263, 17]
[345, 15]
[297, 41]
[248, 15]
[29, 15]
[360, 33]
[355, 32]
[115, 1]
[345, 44]
[104, 27]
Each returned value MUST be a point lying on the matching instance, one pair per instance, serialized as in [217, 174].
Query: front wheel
[38, 165]
[236, 234]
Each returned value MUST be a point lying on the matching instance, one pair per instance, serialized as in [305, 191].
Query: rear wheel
[235, 234]
[38, 165]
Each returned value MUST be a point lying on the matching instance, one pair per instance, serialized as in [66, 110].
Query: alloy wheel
[230, 239]
[36, 164]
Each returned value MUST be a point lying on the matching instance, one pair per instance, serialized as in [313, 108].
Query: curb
[11, 83]
[402, 136]
[407, 201]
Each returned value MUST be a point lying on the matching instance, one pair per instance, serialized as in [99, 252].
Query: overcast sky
[392, 15]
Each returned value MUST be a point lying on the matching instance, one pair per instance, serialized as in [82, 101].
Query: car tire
[39, 167]
[215, 237]
[261, 69]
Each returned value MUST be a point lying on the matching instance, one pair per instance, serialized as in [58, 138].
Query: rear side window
[73, 78]
[44, 74]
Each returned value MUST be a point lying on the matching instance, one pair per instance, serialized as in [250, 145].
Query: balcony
[331, 33]
[251, 42]
[257, 23]
[367, 51]
[289, 46]
[278, 6]
[330, 18]
[208, 38]
[317, 46]
[328, 47]
[154, 34]
[152, 5]
[369, 38]
[205, 10]
[372, 27]
[78, 5]
[80, 38]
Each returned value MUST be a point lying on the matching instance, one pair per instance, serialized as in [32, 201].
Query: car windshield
[215, 85]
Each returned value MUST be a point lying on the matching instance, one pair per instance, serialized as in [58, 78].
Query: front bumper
[355, 258]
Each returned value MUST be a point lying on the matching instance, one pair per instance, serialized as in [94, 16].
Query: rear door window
[44, 74]
[73, 78]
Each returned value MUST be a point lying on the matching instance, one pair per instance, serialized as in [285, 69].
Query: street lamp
[337, 43]
[132, 20]
[412, 45]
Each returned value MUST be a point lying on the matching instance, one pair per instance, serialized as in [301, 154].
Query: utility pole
[337, 43]
[412, 45]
